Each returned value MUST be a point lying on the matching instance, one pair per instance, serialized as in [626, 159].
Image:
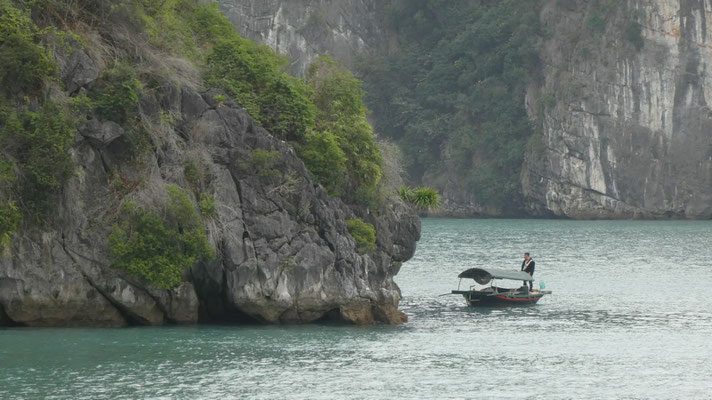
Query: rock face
[283, 250]
[304, 29]
[630, 132]
[625, 132]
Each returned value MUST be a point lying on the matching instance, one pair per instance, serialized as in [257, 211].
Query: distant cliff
[620, 119]
[627, 131]
[303, 29]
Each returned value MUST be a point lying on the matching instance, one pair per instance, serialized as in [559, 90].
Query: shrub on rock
[363, 233]
[158, 248]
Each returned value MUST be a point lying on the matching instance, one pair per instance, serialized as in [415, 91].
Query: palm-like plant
[423, 198]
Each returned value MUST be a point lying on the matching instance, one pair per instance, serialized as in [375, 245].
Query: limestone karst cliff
[621, 124]
[304, 29]
[284, 254]
[135, 129]
[629, 134]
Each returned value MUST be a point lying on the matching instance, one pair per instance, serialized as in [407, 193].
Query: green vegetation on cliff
[25, 63]
[325, 159]
[35, 137]
[343, 144]
[39, 142]
[323, 116]
[422, 198]
[363, 233]
[10, 217]
[452, 92]
[115, 95]
[158, 246]
[254, 77]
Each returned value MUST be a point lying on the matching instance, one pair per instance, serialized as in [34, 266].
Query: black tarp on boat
[483, 276]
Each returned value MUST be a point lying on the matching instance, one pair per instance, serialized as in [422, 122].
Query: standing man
[528, 267]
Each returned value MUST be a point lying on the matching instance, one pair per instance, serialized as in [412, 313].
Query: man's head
[526, 256]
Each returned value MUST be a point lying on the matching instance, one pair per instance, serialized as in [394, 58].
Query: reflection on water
[629, 318]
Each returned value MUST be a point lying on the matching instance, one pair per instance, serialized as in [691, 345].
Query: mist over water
[630, 317]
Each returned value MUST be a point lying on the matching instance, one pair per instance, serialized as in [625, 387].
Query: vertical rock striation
[304, 29]
[629, 134]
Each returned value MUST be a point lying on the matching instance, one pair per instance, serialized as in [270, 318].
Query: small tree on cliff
[338, 97]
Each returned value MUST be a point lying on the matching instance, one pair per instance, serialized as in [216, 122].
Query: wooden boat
[498, 296]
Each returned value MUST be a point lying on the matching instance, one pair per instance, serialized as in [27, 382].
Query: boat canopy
[483, 276]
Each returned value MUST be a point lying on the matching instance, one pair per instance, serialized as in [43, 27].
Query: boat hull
[488, 299]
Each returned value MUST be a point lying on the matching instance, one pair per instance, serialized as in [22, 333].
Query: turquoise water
[630, 317]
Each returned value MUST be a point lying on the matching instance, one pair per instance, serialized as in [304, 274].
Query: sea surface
[630, 317]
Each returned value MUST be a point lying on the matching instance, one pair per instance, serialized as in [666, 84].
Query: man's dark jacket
[529, 268]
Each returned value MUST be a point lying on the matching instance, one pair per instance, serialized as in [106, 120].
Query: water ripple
[629, 318]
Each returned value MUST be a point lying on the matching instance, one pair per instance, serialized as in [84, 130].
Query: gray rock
[137, 304]
[180, 305]
[101, 134]
[629, 136]
[192, 104]
[41, 285]
[76, 68]
[148, 105]
[304, 29]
